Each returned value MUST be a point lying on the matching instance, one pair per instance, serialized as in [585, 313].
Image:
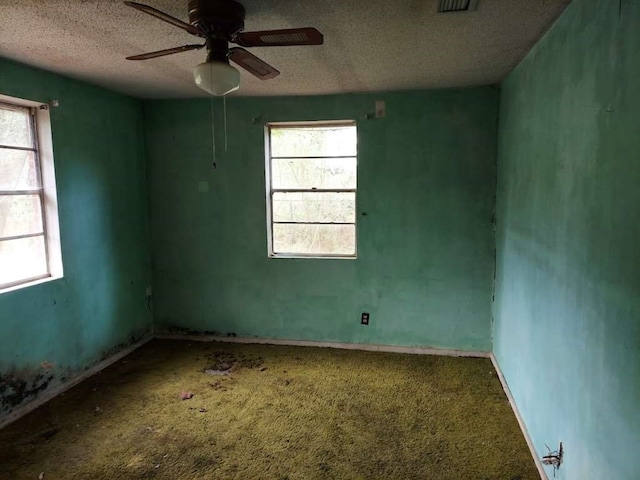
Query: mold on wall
[18, 387]
[426, 176]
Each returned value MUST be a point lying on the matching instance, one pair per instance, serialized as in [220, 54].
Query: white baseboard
[310, 343]
[63, 387]
[523, 426]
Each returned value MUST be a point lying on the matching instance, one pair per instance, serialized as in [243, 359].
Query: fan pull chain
[213, 135]
[224, 101]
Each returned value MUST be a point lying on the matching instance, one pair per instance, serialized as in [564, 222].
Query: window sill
[314, 257]
[31, 283]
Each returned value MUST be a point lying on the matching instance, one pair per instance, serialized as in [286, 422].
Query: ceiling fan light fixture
[217, 78]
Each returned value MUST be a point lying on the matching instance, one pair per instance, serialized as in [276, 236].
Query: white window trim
[269, 192]
[50, 220]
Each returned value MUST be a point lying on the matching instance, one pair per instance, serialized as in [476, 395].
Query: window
[311, 178]
[29, 238]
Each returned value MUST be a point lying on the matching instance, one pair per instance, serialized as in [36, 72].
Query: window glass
[312, 190]
[22, 259]
[20, 215]
[18, 169]
[23, 240]
[317, 173]
[314, 239]
[314, 207]
[15, 126]
[309, 141]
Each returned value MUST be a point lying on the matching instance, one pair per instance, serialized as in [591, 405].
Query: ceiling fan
[220, 22]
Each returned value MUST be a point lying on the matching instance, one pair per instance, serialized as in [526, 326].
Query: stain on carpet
[279, 413]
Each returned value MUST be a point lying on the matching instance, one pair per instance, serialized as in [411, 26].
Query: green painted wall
[567, 310]
[426, 181]
[100, 303]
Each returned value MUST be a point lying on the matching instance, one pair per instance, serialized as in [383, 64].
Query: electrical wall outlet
[148, 293]
[364, 319]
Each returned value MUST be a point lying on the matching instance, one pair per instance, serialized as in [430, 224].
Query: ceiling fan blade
[280, 38]
[252, 64]
[162, 53]
[167, 18]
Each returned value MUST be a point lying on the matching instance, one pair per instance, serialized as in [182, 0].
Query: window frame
[270, 190]
[42, 148]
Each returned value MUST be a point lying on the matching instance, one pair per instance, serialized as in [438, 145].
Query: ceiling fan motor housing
[217, 18]
[220, 22]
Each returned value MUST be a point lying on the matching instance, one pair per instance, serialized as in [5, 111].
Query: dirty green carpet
[278, 413]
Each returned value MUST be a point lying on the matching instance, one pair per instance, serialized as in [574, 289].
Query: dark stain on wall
[20, 386]
[188, 331]
[134, 338]
[17, 388]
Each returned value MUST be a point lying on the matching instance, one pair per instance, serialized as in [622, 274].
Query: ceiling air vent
[445, 6]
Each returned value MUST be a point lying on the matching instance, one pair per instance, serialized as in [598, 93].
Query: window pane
[314, 239]
[314, 207]
[22, 259]
[313, 141]
[20, 215]
[18, 170]
[314, 173]
[15, 127]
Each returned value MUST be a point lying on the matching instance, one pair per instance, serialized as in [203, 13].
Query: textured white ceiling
[370, 45]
